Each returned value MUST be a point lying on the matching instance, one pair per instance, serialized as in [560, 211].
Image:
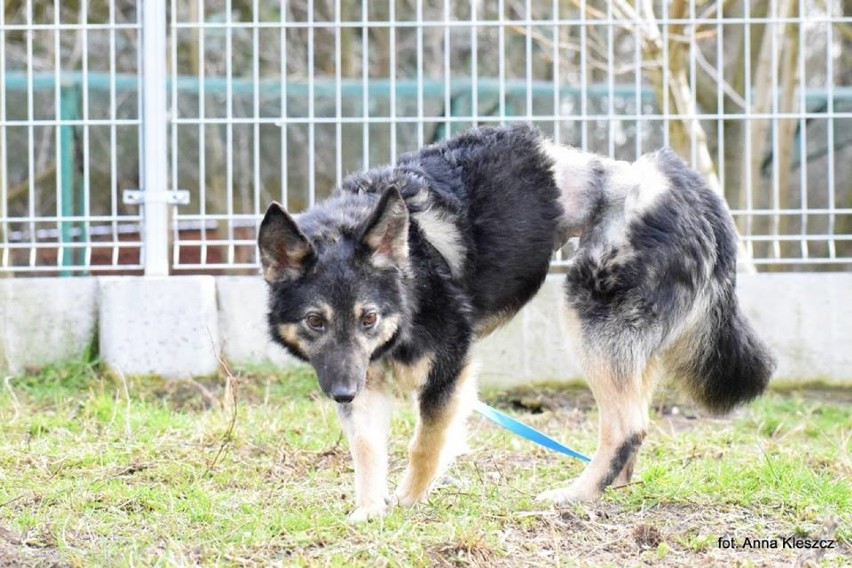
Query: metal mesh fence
[69, 137]
[281, 100]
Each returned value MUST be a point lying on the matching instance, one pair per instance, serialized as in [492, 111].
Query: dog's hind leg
[623, 400]
[440, 432]
[366, 422]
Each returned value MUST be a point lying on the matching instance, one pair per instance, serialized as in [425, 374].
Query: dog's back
[489, 204]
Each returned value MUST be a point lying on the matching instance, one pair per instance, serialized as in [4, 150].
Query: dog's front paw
[410, 491]
[365, 513]
[571, 494]
[406, 499]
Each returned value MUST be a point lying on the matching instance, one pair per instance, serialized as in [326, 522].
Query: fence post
[155, 210]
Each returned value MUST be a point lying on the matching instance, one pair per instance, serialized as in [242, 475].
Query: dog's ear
[385, 234]
[284, 249]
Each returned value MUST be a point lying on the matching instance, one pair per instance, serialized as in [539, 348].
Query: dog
[385, 286]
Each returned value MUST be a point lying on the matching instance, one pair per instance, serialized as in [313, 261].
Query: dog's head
[336, 277]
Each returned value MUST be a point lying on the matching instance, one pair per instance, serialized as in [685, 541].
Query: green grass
[95, 470]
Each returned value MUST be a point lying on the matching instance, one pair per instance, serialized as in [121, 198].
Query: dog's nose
[343, 394]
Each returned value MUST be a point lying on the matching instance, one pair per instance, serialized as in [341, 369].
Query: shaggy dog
[387, 284]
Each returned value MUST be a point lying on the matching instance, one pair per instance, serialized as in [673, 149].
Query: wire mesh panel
[280, 100]
[69, 137]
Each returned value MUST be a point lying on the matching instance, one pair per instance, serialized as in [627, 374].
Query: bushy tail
[729, 364]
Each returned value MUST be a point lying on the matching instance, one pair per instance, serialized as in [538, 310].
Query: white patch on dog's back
[628, 189]
[638, 186]
[442, 233]
[572, 172]
[643, 184]
[570, 167]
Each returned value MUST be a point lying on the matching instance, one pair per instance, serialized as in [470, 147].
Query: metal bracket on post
[140, 197]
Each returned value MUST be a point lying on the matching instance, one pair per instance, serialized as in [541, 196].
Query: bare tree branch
[681, 95]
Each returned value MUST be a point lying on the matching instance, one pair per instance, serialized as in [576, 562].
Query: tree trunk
[787, 127]
[734, 129]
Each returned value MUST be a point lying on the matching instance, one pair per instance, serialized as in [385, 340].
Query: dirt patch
[647, 536]
[17, 551]
[190, 395]
[538, 398]
[569, 406]
[461, 554]
[672, 534]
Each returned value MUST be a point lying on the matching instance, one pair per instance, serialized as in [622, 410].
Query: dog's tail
[723, 361]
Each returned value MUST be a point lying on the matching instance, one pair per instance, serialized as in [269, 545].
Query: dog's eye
[315, 322]
[369, 319]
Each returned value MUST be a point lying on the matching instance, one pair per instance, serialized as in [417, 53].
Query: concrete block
[242, 304]
[549, 346]
[535, 345]
[173, 326]
[500, 356]
[166, 326]
[806, 319]
[45, 321]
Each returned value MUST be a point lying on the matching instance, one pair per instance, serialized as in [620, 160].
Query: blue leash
[525, 431]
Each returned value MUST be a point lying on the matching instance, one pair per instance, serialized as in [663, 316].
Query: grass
[97, 470]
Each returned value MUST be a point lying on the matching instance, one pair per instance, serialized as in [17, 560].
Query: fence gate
[148, 137]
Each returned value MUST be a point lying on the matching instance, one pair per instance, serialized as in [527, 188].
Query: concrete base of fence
[167, 326]
[805, 318]
[535, 345]
[45, 321]
[242, 322]
[176, 326]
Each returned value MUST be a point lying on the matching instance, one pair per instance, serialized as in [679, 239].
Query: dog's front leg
[440, 432]
[366, 421]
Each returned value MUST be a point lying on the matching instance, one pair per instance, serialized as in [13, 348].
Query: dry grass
[95, 470]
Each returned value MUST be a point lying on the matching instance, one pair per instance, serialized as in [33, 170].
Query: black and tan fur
[386, 285]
